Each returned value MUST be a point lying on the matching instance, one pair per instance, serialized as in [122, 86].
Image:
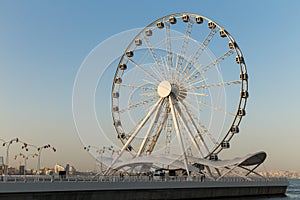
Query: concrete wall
[158, 191]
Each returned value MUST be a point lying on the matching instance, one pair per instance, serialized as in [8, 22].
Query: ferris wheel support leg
[210, 173]
[194, 126]
[218, 171]
[157, 134]
[142, 147]
[182, 119]
[134, 134]
[179, 135]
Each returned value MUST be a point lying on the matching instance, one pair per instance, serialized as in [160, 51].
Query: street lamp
[39, 150]
[7, 144]
[48, 146]
[100, 151]
[25, 159]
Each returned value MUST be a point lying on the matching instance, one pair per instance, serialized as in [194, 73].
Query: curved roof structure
[143, 163]
[255, 159]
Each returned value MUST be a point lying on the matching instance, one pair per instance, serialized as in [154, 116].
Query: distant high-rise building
[1, 161]
[2, 166]
[21, 169]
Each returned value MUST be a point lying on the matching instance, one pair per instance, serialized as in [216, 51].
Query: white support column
[149, 130]
[194, 126]
[157, 134]
[134, 134]
[189, 132]
[179, 136]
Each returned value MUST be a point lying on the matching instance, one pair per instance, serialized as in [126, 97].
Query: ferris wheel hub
[164, 89]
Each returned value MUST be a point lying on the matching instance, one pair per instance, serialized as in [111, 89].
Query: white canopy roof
[176, 162]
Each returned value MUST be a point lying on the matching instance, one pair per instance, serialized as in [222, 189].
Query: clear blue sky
[43, 43]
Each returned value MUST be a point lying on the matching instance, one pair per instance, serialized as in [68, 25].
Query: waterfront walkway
[80, 178]
[135, 187]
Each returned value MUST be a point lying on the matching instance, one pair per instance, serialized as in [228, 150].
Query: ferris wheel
[180, 87]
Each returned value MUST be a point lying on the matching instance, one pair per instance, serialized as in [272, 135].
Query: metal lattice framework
[178, 84]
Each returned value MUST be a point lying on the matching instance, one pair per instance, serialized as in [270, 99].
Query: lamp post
[39, 150]
[3, 163]
[25, 159]
[100, 151]
[48, 146]
[7, 144]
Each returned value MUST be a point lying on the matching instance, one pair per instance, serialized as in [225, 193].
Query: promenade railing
[92, 178]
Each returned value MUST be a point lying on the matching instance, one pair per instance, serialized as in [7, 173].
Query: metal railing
[89, 178]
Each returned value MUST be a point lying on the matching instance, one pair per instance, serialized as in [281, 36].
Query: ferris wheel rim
[243, 75]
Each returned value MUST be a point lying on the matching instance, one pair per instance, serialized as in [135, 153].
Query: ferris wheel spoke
[195, 74]
[132, 106]
[197, 94]
[192, 122]
[150, 129]
[174, 70]
[155, 58]
[144, 70]
[169, 66]
[206, 132]
[210, 65]
[217, 61]
[211, 106]
[218, 84]
[137, 87]
[200, 50]
[185, 43]
[212, 139]
[149, 94]
[135, 132]
[193, 106]
[201, 80]
[179, 136]
[188, 130]
[150, 82]
[168, 45]
[158, 74]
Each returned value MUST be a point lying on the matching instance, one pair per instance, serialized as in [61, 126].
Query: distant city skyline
[44, 43]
